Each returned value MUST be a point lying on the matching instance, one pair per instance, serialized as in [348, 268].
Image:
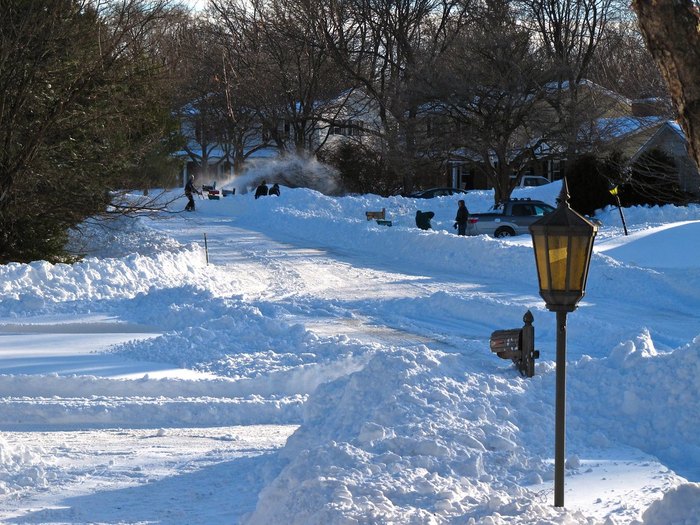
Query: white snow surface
[285, 361]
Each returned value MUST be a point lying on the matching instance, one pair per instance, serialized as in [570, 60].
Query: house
[351, 116]
[633, 136]
[669, 138]
[609, 122]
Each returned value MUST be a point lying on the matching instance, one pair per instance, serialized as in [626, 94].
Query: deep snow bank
[641, 397]
[426, 437]
[253, 345]
[42, 287]
[679, 506]
[21, 466]
[413, 438]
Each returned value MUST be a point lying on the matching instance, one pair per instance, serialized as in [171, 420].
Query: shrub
[589, 179]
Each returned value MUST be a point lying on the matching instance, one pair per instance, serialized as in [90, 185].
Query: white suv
[527, 181]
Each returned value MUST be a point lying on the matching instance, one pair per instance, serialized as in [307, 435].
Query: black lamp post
[563, 243]
[615, 192]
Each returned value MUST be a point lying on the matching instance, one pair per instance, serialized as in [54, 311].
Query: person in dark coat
[275, 190]
[423, 219]
[261, 190]
[462, 218]
[190, 190]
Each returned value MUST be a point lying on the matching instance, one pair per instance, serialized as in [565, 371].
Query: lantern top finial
[564, 196]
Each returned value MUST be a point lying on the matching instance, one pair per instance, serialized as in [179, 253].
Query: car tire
[504, 231]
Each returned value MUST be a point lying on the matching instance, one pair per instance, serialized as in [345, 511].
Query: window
[350, 128]
[534, 181]
[542, 209]
[555, 169]
[356, 128]
[522, 210]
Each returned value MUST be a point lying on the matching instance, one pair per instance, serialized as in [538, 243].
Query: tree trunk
[671, 29]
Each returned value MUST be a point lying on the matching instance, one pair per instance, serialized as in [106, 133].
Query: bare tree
[569, 32]
[273, 64]
[201, 108]
[389, 49]
[492, 90]
[622, 63]
[672, 32]
[653, 179]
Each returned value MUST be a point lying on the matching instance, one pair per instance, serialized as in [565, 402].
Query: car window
[522, 210]
[534, 181]
[543, 209]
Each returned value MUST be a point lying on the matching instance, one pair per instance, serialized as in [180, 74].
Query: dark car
[437, 192]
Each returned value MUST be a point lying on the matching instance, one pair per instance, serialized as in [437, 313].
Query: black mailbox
[517, 344]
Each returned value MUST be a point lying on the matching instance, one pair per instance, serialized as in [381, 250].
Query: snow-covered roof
[667, 125]
[564, 85]
[618, 127]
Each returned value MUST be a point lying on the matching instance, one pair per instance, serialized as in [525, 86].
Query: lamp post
[563, 244]
[615, 193]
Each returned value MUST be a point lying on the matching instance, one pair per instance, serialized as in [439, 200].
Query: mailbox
[517, 344]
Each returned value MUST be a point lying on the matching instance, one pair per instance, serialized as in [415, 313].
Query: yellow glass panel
[558, 259]
[541, 260]
[579, 258]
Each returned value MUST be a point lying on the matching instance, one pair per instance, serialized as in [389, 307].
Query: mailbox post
[517, 344]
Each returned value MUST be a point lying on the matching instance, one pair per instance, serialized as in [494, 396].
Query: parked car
[437, 192]
[527, 181]
[513, 217]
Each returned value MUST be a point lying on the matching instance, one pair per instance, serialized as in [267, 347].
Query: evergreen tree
[81, 106]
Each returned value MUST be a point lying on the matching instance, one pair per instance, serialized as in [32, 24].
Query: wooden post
[527, 334]
[622, 216]
[518, 345]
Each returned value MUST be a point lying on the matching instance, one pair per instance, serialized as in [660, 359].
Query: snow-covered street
[323, 369]
[127, 475]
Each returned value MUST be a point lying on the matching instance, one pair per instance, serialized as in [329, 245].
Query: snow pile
[649, 216]
[43, 287]
[643, 398]
[423, 445]
[119, 237]
[232, 339]
[679, 506]
[145, 411]
[20, 467]
[412, 438]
